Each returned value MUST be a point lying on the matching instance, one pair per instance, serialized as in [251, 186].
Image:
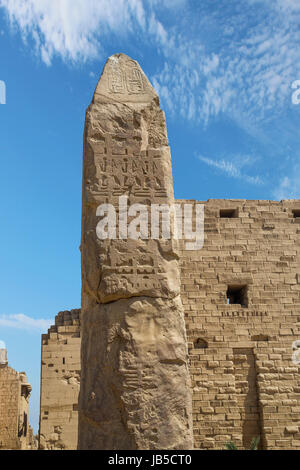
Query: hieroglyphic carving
[134, 80]
[244, 314]
[119, 170]
[139, 273]
[130, 79]
[117, 81]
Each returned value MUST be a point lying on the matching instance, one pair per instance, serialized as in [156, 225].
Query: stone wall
[60, 379]
[245, 383]
[14, 409]
[9, 395]
[243, 378]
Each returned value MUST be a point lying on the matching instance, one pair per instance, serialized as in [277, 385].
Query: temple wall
[14, 410]
[9, 396]
[60, 379]
[244, 381]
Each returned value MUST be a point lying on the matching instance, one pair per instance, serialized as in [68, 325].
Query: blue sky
[224, 71]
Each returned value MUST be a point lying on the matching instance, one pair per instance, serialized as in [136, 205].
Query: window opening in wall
[296, 213]
[201, 344]
[228, 213]
[237, 295]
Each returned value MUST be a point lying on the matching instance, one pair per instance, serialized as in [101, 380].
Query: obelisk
[135, 384]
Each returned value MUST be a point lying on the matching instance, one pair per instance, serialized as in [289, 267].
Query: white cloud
[289, 186]
[233, 168]
[246, 59]
[2, 345]
[287, 5]
[22, 322]
[171, 4]
[238, 59]
[72, 28]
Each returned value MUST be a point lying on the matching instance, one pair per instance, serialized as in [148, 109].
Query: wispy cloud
[2, 345]
[23, 322]
[75, 29]
[237, 59]
[289, 186]
[72, 29]
[168, 3]
[233, 168]
[230, 57]
[286, 5]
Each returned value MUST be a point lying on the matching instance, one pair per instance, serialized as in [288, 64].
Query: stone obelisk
[135, 385]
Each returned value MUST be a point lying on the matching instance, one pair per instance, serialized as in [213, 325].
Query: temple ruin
[60, 379]
[170, 335]
[15, 432]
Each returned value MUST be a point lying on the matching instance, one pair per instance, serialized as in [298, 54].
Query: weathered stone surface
[135, 386]
[60, 382]
[292, 429]
[253, 389]
[15, 432]
[140, 389]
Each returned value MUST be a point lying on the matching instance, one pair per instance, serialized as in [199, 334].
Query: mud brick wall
[241, 295]
[60, 381]
[9, 399]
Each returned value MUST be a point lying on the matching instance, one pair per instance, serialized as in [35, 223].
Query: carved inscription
[129, 80]
[134, 273]
[244, 314]
[117, 81]
[120, 172]
[134, 81]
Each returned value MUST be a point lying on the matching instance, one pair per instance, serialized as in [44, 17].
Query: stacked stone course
[60, 380]
[245, 382]
[15, 432]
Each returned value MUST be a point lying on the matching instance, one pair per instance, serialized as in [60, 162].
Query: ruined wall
[24, 430]
[244, 381]
[9, 396]
[14, 409]
[60, 379]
